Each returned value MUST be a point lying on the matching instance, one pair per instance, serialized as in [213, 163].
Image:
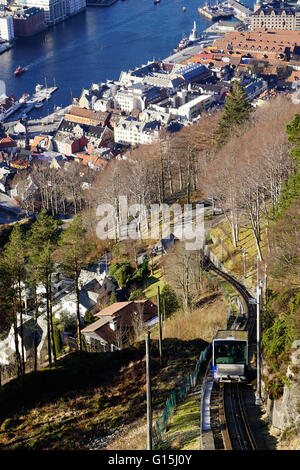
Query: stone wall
[285, 412]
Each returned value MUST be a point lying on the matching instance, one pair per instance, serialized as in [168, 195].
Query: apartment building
[55, 10]
[6, 27]
[275, 16]
[134, 132]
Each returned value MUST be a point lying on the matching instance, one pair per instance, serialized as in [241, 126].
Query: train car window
[231, 352]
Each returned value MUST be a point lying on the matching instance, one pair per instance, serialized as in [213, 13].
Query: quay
[223, 27]
[5, 46]
[240, 11]
[100, 3]
[188, 52]
[217, 12]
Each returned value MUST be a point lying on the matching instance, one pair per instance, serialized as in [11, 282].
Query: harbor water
[97, 45]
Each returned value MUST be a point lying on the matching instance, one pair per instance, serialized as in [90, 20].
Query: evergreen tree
[113, 298]
[42, 242]
[8, 308]
[73, 252]
[169, 300]
[235, 113]
[293, 131]
[15, 259]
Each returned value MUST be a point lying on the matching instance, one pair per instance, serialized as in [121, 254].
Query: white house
[132, 131]
[8, 345]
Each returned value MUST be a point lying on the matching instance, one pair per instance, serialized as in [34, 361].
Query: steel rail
[236, 431]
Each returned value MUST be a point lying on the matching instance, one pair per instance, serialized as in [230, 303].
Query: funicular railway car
[230, 356]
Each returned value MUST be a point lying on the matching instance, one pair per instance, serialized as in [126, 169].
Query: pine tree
[72, 254]
[235, 113]
[15, 259]
[42, 241]
[8, 308]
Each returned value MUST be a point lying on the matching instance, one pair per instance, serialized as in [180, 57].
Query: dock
[240, 11]
[223, 27]
[5, 46]
[35, 101]
[215, 13]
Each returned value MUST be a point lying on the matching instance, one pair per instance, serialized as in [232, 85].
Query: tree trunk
[78, 309]
[48, 324]
[35, 327]
[21, 327]
[51, 319]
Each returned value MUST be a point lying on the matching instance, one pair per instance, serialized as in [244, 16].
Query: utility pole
[222, 250]
[258, 400]
[266, 284]
[159, 324]
[148, 394]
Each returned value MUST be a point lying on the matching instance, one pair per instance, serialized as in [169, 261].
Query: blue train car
[230, 356]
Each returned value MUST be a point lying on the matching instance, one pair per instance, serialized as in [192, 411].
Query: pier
[36, 101]
[214, 14]
[240, 11]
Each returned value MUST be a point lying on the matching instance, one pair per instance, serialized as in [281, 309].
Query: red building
[28, 22]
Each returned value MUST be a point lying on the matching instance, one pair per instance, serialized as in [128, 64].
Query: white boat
[38, 87]
[25, 97]
[38, 105]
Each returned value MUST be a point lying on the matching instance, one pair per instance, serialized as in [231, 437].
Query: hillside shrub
[169, 300]
[121, 272]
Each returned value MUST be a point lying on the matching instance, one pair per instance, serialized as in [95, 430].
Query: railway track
[229, 423]
[240, 435]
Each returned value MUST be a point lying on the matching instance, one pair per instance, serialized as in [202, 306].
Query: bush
[169, 299]
[141, 273]
[89, 317]
[57, 341]
[137, 294]
[121, 272]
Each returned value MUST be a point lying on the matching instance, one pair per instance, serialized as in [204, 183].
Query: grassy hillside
[90, 400]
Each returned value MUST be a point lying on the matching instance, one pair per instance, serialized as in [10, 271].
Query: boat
[19, 71]
[156, 2]
[25, 97]
[182, 44]
[38, 105]
[183, 9]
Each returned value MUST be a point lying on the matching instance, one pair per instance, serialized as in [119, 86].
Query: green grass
[89, 395]
[233, 258]
[73, 372]
[184, 429]
[152, 282]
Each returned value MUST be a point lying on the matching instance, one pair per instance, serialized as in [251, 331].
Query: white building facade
[75, 6]
[55, 10]
[7, 28]
[135, 132]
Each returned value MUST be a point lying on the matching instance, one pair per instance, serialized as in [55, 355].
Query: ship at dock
[185, 42]
[216, 12]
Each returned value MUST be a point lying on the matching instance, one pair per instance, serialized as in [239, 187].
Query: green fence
[176, 397]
